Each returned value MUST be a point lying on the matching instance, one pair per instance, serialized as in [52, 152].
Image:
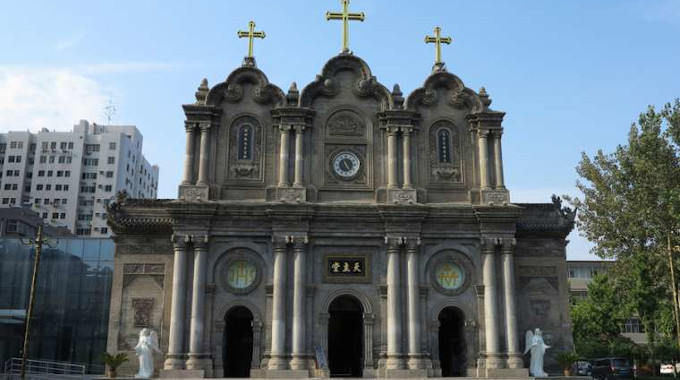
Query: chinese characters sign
[347, 268]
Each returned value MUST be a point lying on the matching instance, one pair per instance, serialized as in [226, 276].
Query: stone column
[434, 343]
[257, 333]
[514, 354]
[368, 340]
[391, 157]
[324, 318]
[204, 160]
[278, 347]
[482, 140]
[299, 298]
[406, 136]
[414, 328]
[189, 155]
[490, 303]
[394, 353]
[283, 155]
[198, 304]
[299, 134]
[498, 157]
[175, 356]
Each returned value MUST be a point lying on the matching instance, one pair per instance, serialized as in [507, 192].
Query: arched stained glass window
[444, 145]
[245, 142]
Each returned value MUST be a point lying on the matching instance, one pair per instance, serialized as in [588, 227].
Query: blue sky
[572, 75]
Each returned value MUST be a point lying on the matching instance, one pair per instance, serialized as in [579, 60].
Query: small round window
[449, 275]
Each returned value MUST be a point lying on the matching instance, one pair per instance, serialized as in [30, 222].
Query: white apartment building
[70, 177]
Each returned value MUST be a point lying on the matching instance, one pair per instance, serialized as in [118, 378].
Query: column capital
[300, 242]
[483, 133]
[489, 244]
[497, 133]
[200, 241]
[369, 318]
[392, 130]
[256, 325]
[285, 128]
[412, 244]
[406, 129]
[394, 242]
[190, 126]
[180, 241]
[204, 126]
[299, 128]
[508, 245]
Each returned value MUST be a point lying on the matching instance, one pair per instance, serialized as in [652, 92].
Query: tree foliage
[630, 209]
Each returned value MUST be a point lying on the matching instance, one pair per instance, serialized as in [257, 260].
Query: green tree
[631, 211]
[597, 319]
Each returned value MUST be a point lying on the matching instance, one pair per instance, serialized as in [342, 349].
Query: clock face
[346, 164]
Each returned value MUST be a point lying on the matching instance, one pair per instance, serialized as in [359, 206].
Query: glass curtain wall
[71, 312]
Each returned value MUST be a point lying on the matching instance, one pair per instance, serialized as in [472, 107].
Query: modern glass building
[71, 312]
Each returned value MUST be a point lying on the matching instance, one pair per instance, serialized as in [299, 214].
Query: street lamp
[37, 243]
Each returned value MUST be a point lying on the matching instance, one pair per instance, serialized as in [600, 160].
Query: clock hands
[344, 164]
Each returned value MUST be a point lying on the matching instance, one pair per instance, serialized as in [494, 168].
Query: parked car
[581, 368]
[612, 369]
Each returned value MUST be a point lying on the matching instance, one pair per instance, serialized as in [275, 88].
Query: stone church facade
[341, 230]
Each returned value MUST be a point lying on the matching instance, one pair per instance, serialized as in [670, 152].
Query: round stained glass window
[241, 274]
[449, 275]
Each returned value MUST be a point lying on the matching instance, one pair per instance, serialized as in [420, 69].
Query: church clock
[346, 165]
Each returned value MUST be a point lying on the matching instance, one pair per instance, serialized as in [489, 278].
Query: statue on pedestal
[535, 344]
[148, 343]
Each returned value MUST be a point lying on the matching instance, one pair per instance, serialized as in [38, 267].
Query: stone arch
[224, 309]
[363, 300]
[467, 332]
[219, 326]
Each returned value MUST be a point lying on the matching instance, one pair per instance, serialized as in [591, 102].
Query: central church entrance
[345, 337]
[452, 342]
[238, 342]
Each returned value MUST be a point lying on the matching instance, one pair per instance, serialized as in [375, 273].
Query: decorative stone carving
[292, 195]
[194, 193]
[459, 99]
[401, 196]
[330, 87]
[141, 311]
[233, 93]
[429, 98]
[262, 94]
[364, 87]
[496, 197]
[133, 268]
[244, 170]
[131, 271]
[345, 123]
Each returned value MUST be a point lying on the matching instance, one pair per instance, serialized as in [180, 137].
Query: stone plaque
[347, 268]
[141, 309]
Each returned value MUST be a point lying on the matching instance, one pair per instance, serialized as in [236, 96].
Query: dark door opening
[452, 342]
[345, 337]
[238, 342]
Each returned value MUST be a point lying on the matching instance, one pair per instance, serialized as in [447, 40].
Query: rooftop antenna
[109, 111]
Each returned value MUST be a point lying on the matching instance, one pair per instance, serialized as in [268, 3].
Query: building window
[89, 176]
[43, 159]
[444, 145]
[36, 201]
[48, 187]
[112, 160]
[67, 173]
[62, 215]
[44, 215]
[46, 202]
[90, 161]
[112, 146]
[13, 145]
[89, 148]
[41, 173]
[39, 187]
[104, 230]
[18, 159]
[60, 173]
[65, 187]
[62, 159]
[8, 186]
[53, 145]
[70, 145]
[16, 173]
[64, 201]
[10, 158]
[109, 174]
[83, 231]
[633, 326]
[69, 160]
[50, 173]
[5, 201]
[107, 188]
[8, 173]
[62, 145]
[57, 187]
[51, 160]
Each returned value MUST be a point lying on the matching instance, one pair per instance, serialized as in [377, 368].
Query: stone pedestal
[194, 193]
[401, 196]
[495, 197]
[291, 194]
[182, 374]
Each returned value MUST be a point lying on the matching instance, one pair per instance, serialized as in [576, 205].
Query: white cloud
[69, 42]
[121, 67]
[54, 98]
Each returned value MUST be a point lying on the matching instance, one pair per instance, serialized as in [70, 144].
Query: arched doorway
[238, 342]
[345, 337]
[452, 342]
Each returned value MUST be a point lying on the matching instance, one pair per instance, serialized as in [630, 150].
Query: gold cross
[345, 16]
[438, 40]
[251, 34]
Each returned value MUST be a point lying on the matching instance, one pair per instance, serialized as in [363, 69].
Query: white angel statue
[148, 343]
[535, 343]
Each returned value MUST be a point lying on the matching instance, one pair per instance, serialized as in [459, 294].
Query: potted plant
[566, 359]
[113, 362]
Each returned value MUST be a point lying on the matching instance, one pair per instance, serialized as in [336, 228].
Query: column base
[199, 362]
[515, 361]
[277, 363]
[406, 373]
[507, 373]
[279, 373]
[395, 361]
[494, 361]
[174, 362]
[298, 362]
[182, 374]
[416, 361]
